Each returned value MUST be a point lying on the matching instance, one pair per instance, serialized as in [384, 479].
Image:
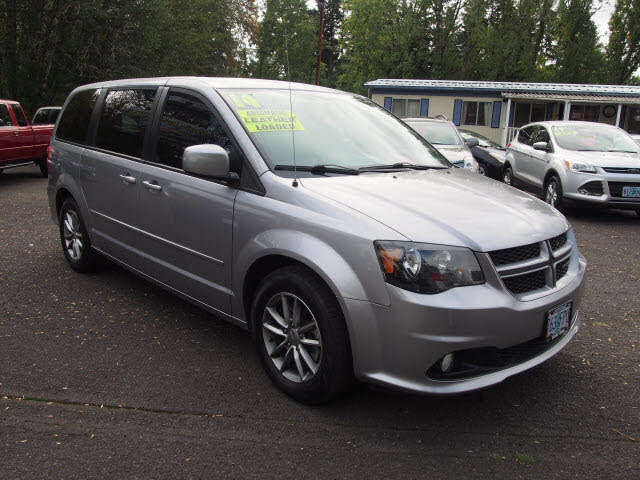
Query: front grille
[562, 268]
[630, 171]
[514, 255]
[592, 188]
[558, 242]
[526, 283]
[616, 187]
[537, 274]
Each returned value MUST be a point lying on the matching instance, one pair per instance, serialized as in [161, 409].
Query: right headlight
[580, 167]
[426, 268]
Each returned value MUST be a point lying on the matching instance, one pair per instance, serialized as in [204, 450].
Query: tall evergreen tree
[623, 49]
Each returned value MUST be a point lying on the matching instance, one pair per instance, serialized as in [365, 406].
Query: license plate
[557, 321]
[633, 192]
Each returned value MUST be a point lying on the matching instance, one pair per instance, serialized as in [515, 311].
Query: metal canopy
[506, 87]
[573, 98]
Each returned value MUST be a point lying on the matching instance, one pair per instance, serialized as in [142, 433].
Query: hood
[605, 159]
[448, 207]
[454, 153]
[499, 153]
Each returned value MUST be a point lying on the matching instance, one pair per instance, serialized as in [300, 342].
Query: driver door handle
[151, 185]
[127, 178]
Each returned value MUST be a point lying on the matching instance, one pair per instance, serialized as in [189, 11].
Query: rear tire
[301, 335]
[44, 167]
[553, 192]
[74, 238]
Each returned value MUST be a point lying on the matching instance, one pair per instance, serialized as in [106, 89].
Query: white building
[483, 106]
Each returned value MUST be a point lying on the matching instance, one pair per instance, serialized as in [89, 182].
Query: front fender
[316, 254]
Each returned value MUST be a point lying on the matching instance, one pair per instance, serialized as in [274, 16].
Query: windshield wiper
[400, 166]
[623, 151]
[320, 169]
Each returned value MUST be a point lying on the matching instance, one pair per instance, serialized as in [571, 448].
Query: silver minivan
[341, 239]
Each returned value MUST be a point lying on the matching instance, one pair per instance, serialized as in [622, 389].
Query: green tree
[577, 55]
[623, 50]
[287, 24]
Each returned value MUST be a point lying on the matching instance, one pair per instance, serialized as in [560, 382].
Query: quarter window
[405, 108]
[74, 124]
[5, 118]
[19, 114]
[187, 121]
[476, 113]
[124, 120]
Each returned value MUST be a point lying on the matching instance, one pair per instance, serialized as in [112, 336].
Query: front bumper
[611, 196]
[394, 346]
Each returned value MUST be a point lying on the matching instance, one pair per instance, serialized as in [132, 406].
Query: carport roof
[453, 86]
[572, 98]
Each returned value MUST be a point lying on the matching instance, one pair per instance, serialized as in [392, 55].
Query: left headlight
[426, 268]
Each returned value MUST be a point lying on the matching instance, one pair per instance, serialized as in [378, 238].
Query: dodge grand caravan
[342, 240]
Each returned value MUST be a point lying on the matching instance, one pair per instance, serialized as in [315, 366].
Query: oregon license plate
[557, 321]
[633, 192]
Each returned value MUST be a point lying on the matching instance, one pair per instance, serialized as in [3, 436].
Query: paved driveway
[108, 376]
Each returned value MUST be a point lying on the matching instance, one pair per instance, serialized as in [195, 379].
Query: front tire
[507, 176]
[553, 192]
[301, 335]
[74, 238]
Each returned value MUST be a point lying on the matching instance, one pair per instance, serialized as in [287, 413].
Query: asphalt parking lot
[107, 375]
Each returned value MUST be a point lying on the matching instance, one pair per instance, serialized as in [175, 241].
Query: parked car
[444, 136]
[347, 248]
[20, 143]
[488, 154]
[46, 116]
[636, 138]
[585, 162]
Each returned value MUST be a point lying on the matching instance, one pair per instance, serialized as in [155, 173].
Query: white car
[582, 162]
[636, 138]
[445, 138]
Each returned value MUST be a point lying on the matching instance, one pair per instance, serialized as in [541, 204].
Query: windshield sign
[333, 129]
[587, 138]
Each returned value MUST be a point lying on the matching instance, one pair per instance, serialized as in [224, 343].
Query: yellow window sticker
[269, 120]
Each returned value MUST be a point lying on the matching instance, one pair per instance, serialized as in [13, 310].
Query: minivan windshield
[436, 133]
[328, 129]
[593, 138]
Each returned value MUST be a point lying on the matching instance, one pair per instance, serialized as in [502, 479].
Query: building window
[587, 113]
[476, 113]
[405, 108]
[633, 122]
[529, 112]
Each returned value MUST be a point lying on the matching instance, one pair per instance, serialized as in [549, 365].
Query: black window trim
[91, 119]
[153, 140]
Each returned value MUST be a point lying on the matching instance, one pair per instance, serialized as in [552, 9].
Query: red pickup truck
[21, 143]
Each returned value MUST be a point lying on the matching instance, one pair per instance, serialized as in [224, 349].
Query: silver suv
[318, 221]
[584, 162]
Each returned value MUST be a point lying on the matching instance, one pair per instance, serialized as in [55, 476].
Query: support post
[505, 130]
[618, 114]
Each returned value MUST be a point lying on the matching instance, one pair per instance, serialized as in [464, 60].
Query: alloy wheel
[292, 337]
[72, 235]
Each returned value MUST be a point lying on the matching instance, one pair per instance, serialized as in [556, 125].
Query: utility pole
[320, 34]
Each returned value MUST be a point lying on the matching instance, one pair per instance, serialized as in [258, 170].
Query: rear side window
[19, 114]
[525, 135]
[5, 118]
[40, 117]
[74, 124]
[187, 121]
[124, 120]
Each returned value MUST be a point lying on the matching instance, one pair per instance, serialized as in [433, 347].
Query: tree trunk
[11, 45]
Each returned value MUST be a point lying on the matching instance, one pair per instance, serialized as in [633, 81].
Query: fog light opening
[446, 363]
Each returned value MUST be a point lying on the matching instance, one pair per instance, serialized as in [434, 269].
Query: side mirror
[472, 142]
[543, 146]
[206, 161]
